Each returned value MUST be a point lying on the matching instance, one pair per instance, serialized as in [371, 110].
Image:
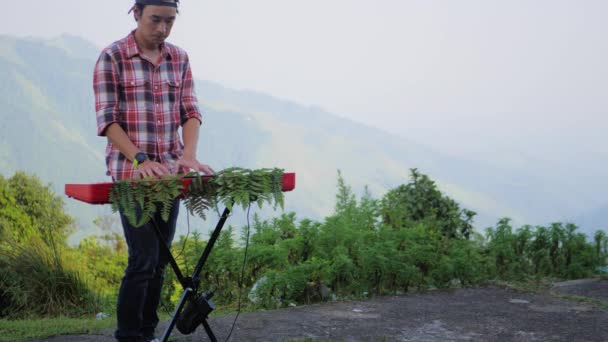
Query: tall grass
[26, 329]
[34, 280]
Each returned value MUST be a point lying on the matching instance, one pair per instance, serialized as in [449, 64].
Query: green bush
[34, 280]
[414, 237]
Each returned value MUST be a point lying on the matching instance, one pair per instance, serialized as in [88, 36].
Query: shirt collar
[133, 50]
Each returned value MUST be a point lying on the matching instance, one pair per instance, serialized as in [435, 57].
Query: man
[143, 92]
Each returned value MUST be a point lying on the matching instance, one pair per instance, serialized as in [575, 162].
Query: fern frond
[231, 186]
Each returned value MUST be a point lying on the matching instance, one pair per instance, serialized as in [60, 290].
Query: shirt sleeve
[105, 86]
[189, 105]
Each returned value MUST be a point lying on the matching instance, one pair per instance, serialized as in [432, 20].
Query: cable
[238, 312]
[185, 241]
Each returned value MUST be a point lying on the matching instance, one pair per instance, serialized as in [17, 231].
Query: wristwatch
[140, 157]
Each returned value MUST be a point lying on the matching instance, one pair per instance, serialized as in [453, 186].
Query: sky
[476, 77]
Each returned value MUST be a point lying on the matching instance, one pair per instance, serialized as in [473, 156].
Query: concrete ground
[472, 314]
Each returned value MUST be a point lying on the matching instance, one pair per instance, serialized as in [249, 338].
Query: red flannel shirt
[149, 102]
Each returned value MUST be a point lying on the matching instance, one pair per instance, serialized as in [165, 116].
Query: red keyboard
[99, 193]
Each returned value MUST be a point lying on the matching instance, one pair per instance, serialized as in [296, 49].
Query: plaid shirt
[148, 102]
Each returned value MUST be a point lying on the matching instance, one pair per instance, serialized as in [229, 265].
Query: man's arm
[191, 120]
[190, 131]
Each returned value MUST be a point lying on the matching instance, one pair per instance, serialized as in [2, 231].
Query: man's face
[155, 22]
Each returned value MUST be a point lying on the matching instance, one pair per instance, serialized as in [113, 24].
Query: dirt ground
[475, 314]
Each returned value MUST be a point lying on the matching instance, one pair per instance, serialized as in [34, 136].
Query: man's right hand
[149, 168]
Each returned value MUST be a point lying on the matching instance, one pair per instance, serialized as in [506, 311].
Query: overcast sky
[472, 76]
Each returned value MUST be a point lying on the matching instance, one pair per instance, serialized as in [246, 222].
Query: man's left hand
[194, 165]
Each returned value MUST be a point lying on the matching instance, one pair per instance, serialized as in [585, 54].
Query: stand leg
[191, 284]
[178, 309]
[209, 332]
[214, 236]
[186, 283]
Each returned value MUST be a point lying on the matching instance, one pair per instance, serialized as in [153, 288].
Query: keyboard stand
[200, 305]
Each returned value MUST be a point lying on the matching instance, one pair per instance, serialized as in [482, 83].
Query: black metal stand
[200, 304]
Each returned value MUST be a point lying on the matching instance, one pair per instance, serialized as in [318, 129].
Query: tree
[601, 247]
[421, 201]
[28, 208]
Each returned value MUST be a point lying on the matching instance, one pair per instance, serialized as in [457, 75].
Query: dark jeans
[139, 293]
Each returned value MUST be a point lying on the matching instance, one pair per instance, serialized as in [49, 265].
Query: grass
[583, 300]
[36, 328]
[23, 329]
[543, 286]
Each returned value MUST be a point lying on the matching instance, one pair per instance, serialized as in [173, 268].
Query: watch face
[141, 157]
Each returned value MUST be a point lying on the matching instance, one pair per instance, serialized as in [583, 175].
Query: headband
[158, 3]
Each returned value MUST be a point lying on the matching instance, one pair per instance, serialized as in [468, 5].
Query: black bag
[196, 312]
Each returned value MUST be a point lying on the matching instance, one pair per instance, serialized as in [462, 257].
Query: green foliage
[366, 247]
[28, 208]
[140, 199]
[557, 251]
[601, 247]
[468, 262]
[35, 280]
[202, 195]
[394, 245]
[103, 259]
[297, 283]
[34, 274]
[421, 201]
[27, 329]
[238, 186]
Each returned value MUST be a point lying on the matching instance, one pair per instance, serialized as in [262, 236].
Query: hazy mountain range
[47, 125]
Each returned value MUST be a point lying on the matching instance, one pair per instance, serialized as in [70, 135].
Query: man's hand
[191, 164]
[151, 168]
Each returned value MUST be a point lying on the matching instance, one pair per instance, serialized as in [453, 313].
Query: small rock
[101, 315]
[253, 296]
[519, 301]
[357, 310]
[324, 291]
[455, 283]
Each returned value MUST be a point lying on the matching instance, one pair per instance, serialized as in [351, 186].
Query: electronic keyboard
[99, 193]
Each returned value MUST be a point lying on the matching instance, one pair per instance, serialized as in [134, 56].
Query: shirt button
[132, 83]
[158, 122]
[155, 87]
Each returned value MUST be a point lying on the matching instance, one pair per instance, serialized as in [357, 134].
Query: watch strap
[139, 158]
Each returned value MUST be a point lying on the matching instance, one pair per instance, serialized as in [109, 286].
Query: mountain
[48, 128]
